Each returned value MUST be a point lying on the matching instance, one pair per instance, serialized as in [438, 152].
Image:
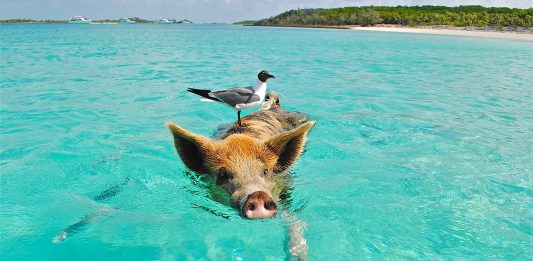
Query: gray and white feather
[240, 98]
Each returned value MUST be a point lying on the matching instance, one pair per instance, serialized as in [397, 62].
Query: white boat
[185, 21]
[125, 21]
[79, 20]
[162, 20]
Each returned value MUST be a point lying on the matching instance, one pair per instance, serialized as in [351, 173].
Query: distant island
[105, 21]
[30, 21]
[247, 22]
[460, 16]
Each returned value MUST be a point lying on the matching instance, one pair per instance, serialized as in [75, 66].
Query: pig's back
[270, 120]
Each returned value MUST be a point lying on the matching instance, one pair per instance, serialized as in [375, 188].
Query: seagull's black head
[264, 76]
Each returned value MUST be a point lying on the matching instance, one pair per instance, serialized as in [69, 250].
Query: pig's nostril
[270, 205]
[252, 206]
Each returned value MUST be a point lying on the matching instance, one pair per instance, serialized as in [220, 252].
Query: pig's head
[243, 166]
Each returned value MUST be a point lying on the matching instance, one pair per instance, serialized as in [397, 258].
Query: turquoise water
[423, 147]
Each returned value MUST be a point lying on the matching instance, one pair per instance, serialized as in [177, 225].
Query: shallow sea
[423, 147]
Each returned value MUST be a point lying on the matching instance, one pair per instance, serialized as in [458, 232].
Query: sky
[201, 11]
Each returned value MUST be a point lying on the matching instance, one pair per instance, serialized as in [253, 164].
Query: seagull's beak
[271, 76]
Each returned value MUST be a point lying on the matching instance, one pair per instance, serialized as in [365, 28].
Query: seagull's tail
[203, 93]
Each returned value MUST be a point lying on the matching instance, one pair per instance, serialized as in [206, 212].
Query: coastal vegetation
[30, 21]
[472, 15]
[105, 21]
[135, 19]
[246, 22]
[140, 20]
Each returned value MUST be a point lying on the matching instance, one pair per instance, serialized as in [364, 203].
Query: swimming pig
[248, 162]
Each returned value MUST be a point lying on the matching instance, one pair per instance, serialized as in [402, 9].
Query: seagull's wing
[236, 96]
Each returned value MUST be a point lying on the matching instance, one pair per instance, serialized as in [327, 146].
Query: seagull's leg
[239, 118]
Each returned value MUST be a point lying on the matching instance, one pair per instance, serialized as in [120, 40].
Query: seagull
[240, 98]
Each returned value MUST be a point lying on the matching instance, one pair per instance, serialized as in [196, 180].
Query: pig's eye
[223, 175]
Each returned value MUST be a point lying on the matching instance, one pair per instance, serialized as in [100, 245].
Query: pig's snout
[259, 205]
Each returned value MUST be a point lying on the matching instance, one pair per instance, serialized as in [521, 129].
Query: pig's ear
[192, 148]
[289, 145]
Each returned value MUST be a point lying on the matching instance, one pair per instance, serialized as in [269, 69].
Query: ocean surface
[423, 147]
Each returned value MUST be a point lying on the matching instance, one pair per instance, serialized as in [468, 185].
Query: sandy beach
[449, 31]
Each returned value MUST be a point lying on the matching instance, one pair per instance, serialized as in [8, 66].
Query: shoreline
[525, 35]
[341, 27]
[519, 34]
